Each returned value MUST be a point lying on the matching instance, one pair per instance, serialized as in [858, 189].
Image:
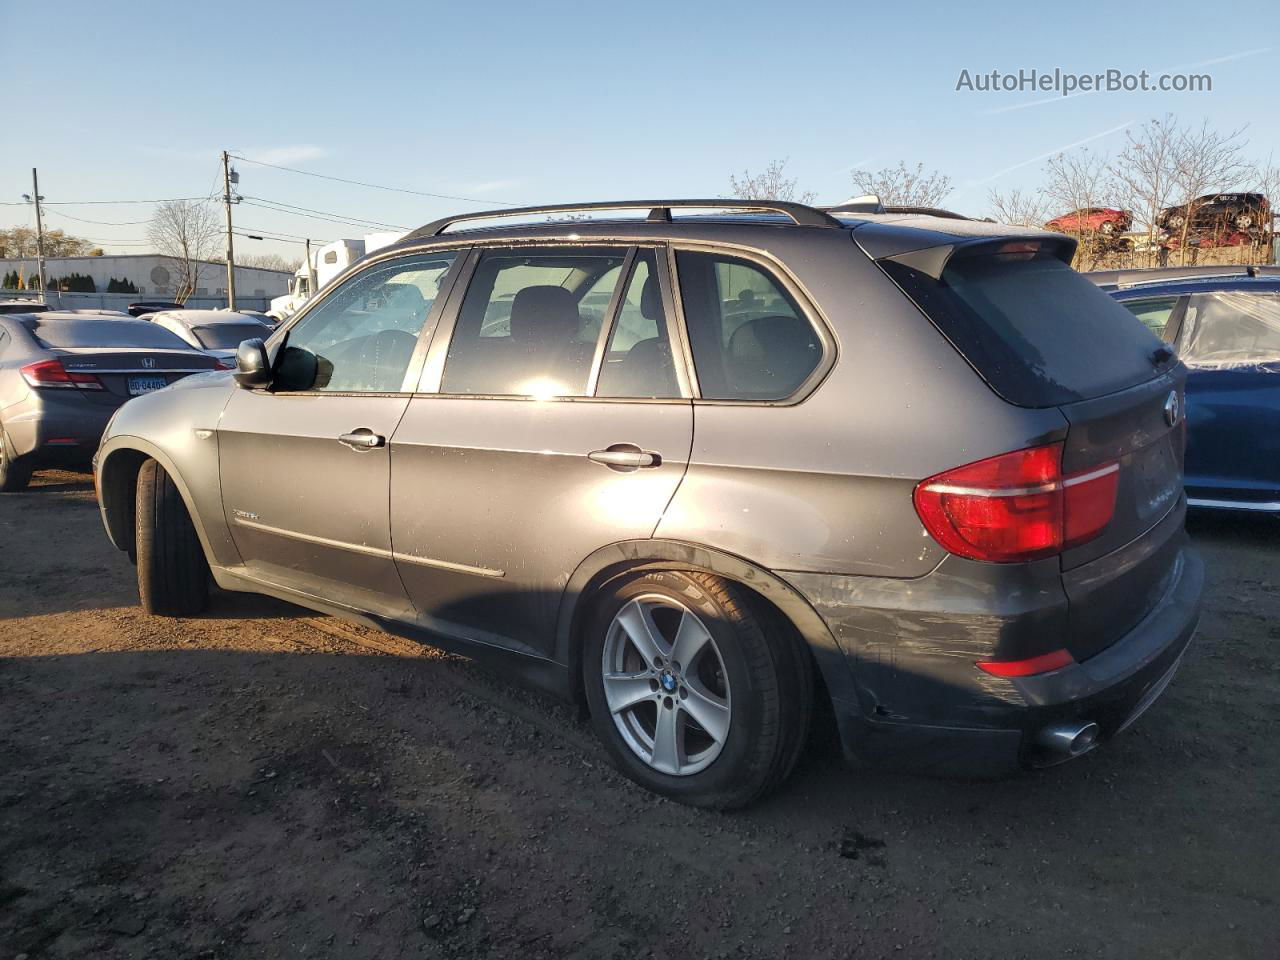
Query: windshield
[106, 333]
[1038, 332]
[228, 336]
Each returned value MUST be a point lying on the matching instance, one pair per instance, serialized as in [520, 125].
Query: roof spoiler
[867, 203]
[932, 261]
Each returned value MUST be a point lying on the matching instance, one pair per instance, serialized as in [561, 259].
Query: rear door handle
[625, 456]
[362, 439]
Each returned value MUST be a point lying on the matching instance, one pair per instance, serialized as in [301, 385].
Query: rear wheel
[15, 474]
[173, 574]
[697, 693]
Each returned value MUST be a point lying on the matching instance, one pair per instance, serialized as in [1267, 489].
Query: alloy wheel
[666, 685]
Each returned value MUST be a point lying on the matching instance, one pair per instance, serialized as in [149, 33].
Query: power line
[313, 216]
[101, 223]
[374, 186]
[263, 236]
[291, 236]
[85, 203]
[354, 221]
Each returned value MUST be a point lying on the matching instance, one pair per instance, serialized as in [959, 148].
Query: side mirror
[253, 367]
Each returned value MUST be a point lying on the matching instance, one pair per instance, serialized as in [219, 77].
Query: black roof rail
[801, 214]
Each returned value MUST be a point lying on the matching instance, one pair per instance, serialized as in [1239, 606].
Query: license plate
[139, 385]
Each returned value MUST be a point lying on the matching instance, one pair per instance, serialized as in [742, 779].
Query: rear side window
[1038, 332]
[750, 340]
[1230, 329]
[228, 336]
[71, 334]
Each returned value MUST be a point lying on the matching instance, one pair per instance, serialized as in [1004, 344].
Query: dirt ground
[264, 782]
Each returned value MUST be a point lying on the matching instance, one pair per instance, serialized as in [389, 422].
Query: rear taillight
[1017, 506]
[50, 374]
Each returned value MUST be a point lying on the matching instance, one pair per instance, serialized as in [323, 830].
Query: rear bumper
[59, 431]
[963, 722]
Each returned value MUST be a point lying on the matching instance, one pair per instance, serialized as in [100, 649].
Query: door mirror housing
[253, 366]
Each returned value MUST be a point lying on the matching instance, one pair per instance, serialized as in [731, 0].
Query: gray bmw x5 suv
[709, 474]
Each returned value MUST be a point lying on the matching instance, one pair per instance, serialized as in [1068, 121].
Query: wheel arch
[116, 475]
[636, 556]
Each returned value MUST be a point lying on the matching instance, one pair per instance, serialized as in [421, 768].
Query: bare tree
[904, 187]
[269, 261]
[1143, 175]
[1076, 182]
[1019, 209]
[1204, 161]
[187, 232]
[770, 184]
[1265, 179]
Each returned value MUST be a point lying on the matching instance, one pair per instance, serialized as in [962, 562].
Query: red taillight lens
[1088, 503]
[47, 373]
[1016, 506]
[1027, 668]
[51, 374]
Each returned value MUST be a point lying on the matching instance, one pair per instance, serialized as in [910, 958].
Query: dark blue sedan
[1226, 329]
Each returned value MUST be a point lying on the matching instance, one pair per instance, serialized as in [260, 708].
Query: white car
[215, 332]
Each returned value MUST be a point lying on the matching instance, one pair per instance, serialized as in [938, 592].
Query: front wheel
[696, 692]
[173, 574]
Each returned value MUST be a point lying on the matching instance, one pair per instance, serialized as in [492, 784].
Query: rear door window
[1038, 332]
[1231, 328]
[750, 339]
[530, 320]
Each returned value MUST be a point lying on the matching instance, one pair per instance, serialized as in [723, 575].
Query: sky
[548, 102]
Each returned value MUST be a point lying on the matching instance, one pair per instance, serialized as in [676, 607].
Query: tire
[1107, 228]
[173, 574]
[751, 677]
[15, 474]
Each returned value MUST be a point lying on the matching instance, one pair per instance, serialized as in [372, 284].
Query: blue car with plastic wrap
[1226, 329]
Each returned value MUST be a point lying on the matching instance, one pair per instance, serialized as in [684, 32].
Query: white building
[156, 277]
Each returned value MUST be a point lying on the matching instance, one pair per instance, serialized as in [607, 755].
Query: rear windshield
[226, 336]
[1038, 332]
[74, 334]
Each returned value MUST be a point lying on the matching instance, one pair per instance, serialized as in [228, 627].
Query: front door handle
[362, 439]
[625, 456]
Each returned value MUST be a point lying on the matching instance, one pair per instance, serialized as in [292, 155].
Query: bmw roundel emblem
[1172, 408]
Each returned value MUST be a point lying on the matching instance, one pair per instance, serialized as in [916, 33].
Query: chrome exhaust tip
[1071, 739]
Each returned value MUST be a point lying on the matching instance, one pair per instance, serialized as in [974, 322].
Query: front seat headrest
[546, 314]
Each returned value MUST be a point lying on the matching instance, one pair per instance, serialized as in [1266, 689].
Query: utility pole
[231, 250]
[35, 186]
[311, 272]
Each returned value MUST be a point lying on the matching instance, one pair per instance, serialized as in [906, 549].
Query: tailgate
[1113, 581]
